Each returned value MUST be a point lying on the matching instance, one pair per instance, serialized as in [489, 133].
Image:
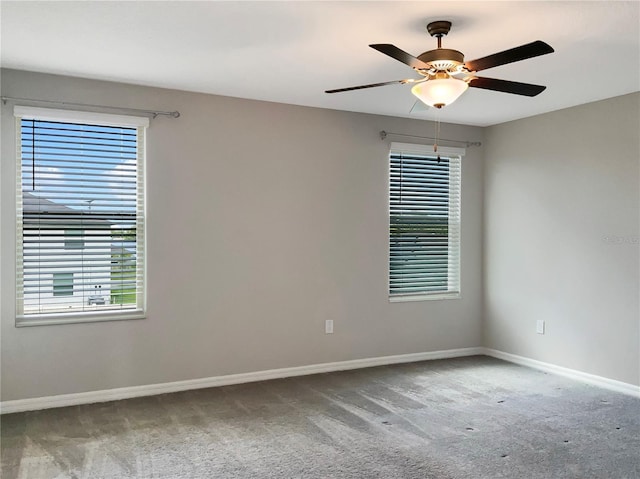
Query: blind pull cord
[33, 155]
[437, 128]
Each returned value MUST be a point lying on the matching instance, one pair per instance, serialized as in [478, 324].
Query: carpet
[464, 418]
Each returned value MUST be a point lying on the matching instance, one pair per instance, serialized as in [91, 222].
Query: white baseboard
[606, 383]
[33, 404]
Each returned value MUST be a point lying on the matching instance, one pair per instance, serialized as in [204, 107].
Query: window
[80, 216]
[63, 284]
[73, 239]
[424, 222]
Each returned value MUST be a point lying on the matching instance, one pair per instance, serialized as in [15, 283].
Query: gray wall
[561, 234]
[263, 221]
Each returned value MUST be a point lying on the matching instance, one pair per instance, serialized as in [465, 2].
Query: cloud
[127, 167]
[47, 172]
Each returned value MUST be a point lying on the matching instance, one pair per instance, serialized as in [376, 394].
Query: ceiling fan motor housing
[443, 58]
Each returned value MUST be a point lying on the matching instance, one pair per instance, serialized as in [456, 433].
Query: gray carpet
[460, 418]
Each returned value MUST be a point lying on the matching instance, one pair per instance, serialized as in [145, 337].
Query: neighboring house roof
[52, 214]
[37, 204]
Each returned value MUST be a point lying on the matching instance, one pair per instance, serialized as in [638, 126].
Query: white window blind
[80, 215]
[424, 221]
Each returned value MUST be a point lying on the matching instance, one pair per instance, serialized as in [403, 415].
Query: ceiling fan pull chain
[437, 135]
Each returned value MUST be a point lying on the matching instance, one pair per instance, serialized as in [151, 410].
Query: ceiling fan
[446, 75]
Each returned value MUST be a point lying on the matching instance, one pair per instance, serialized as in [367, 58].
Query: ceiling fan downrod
[440, 59]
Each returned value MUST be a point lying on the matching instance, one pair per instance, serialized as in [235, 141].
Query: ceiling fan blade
[400, 55]
[372, 85]
[506, 86]
[419, 107]
[523, 52]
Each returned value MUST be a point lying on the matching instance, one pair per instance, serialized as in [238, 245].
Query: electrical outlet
[328, 326]
[540, 326]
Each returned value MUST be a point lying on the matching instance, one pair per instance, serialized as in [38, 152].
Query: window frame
[90, 118]
[452, 153]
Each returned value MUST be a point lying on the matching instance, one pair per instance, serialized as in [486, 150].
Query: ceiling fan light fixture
[440, 92]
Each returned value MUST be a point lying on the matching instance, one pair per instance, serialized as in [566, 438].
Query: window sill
[51, 319]
[424, 297]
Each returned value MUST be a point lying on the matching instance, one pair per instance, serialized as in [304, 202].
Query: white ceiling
[291, 52]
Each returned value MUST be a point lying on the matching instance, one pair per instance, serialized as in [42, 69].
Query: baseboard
[606, 383]
[33, 404]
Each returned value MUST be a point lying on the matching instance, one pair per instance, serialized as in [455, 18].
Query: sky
[81, 166]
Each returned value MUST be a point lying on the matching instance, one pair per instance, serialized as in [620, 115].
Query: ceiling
[290, 52]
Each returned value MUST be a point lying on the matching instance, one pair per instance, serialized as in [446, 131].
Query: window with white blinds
[424, 222]
[80, 216]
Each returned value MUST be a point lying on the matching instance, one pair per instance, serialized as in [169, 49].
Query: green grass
[123, 296]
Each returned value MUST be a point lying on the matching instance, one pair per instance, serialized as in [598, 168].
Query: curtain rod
[153, 113]
[384, 134]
